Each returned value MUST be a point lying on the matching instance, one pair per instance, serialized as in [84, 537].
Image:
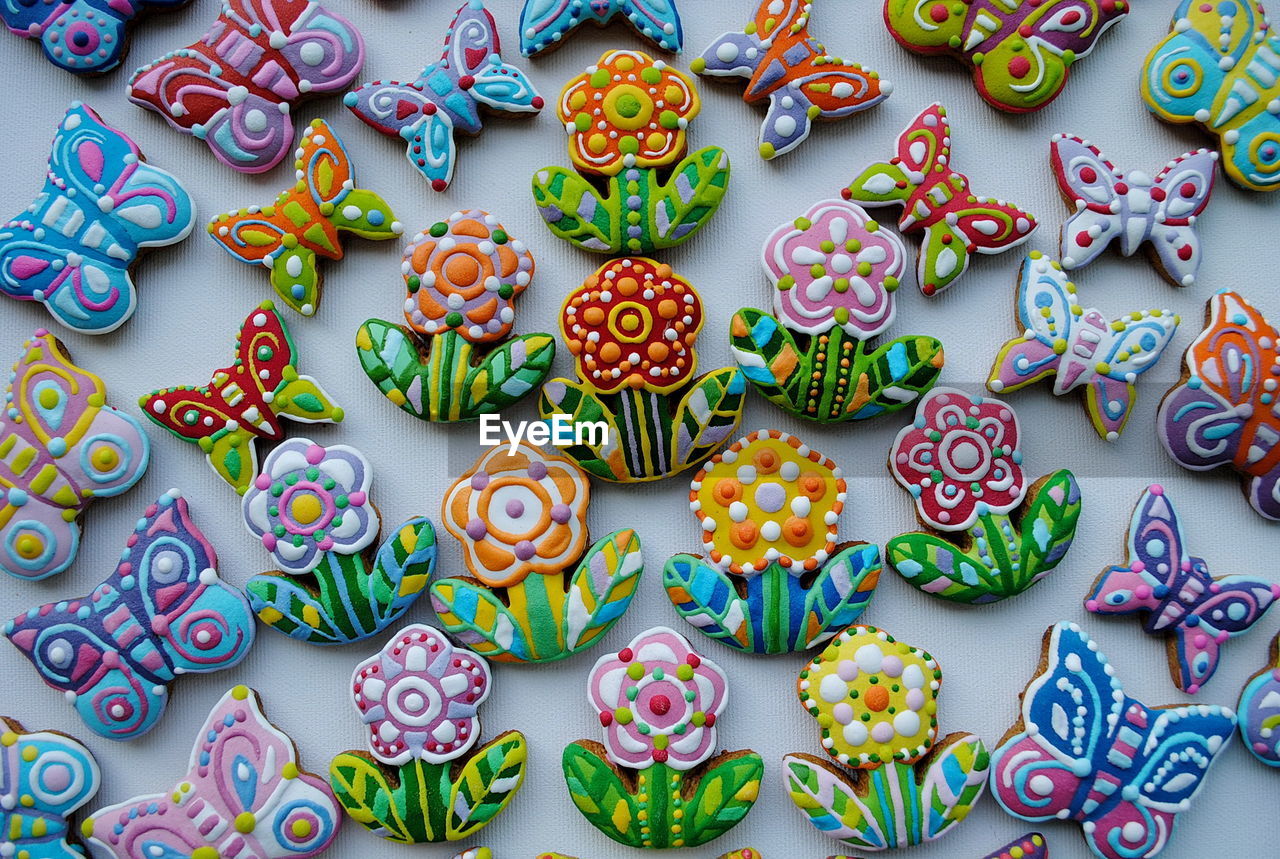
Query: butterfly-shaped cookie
[544, 23]
[1175, 591]
[937, 201]
[447, 96]
[61, 446]
[304, 222]
[162, 613]
[44, 777]
[234, 89]
[1083, 750]
[1223, 412]
[1219, 67]
[1078, 346]
[1260, 710]
[101, 204]
[791, 69]
[244, 795]
[1020, 50]
[85, 37]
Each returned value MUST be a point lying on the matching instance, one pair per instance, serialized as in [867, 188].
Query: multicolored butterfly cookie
[1121, 769]
[1224, 412]
[234, 89]
[162, 613]
[793, 70]
[545, 23]
[245, 401]
[44, 777]
[1174, 590]
[244, 794]
[936, 200]
[1260, 710]
[1021, 50]
[305, 221]
[447, 96]
[1219, 68]
[85, 37]
[72, 248]
[61, 446]
[1078, 346]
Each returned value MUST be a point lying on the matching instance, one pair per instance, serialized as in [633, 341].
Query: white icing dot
[833, 689]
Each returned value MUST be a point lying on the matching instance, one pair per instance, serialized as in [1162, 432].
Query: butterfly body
[85, 37]
[793, 71]
[545, 23]
[162, 613]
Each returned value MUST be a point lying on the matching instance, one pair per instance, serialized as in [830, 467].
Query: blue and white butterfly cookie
[44, 777]
[545, 23]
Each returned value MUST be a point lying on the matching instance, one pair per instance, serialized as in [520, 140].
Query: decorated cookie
[447, 96]
[545, 23]
[1222, 412]
[1180, 600]
[244, 794]
[936, 202]
[896, 784]
[538, 589]
[775, 579]
[1132, 208]
[657, 781]
[101, 206]
[631, 329]
[744, 853]
[989, 535]
[462, 276]
[835, 274]
[1119, 768]
[1260, 710]
[627, 118]
[1020, 51]
[235, 89]
[1030, 846]
[790, 68]
[310, 507]
[1217, 69]
[63, 446]
[304, 224]
[475, 853]
[44, 777]
[245, 401]
[163, 612]
[1077, 346]
[424, 778]
[81, 36]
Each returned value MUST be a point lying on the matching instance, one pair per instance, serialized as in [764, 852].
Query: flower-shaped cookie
[654, 782]
[462, 276]
[775, 580]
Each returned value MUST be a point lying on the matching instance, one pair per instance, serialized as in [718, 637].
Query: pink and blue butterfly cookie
[545, 23]
[44, 777]
[85, 37]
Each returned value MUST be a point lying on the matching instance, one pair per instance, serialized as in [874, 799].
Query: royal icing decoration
[1078, 346]
[475, 853]
[446, 98]
[936, 201]
[962, 463]
[1083, 750]
[744, 853]
[776, 578]
[1223, 412]
[1132, 208]
[1030, 846]
[44, 777]
[163, 613]
[244, 794]
[62, 446]
[304, 224]
[83, 37]
[1218, 68]
[424, 780]
[793, 71]
[1260, 710]
[539, 590]
[1160, 579]
[1020, 51]
[631, 328]
[627, 118]
[657, 781]
[545, 23]
[875, 701]
[835, 273]
[101, 205]
[462, 277]
[236, 87]
[245, 401]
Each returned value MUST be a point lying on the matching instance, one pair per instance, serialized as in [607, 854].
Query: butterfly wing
[659, 20]
[1087, 181]
[51, 775]
[1047, 310]
[1186, 184]
[968, 225]
[1154, 564]
[544, 23]
[1131, 346]
[323, 50]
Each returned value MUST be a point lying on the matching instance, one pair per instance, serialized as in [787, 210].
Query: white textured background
[193, 297]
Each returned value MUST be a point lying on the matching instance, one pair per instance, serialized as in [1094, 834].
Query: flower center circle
[305, 508]
[660, 705]
[631, 321]
[964, 455]
[771, 497]
[462, 270]
[628, 107]
[876, 698]
[414, 702]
